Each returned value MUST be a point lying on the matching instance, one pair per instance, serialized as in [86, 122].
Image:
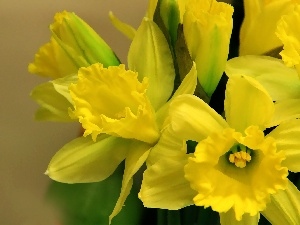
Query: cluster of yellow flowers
[142, 115]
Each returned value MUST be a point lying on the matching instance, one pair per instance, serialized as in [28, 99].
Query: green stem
[174, 217]
[161, 217]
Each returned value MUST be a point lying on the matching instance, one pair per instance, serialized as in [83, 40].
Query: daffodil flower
[207, 27]
[257, 35]
[122, 111]
[236, 169]
[73, 44]
[288, 33]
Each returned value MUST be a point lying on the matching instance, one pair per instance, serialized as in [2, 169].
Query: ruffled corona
[225, 185]
[289, 33]
[113, 101]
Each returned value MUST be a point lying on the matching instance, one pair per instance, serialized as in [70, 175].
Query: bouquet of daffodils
[158, 114]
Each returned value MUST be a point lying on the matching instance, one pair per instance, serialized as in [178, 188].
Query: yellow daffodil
[73, 44]
[122, 112]
[207, 27]
[236, 169]
[257, 35]
[288, 32]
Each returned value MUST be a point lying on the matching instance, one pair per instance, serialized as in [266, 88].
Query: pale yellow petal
[228, 218]
[247, 103]
[135, 158]
[187, 86]
[193, 119]
[151, 8]
[280, 81]
[124, 28]
[53, 105]
[164, 185]
[285, 110]
[83, 160]
[150, 56]
[287, 137]
[284, 207]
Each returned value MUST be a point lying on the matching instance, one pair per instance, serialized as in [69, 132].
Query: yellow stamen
[240, 158]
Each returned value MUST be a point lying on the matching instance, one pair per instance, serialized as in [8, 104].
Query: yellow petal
[207, 26]
[245, 190]
[193, 119]
[257, 35]
[287, 139]
[285, 110]
[135, 158]
[284, 207]
[280, 81]
[228, 218]
[164, 185]
[113, 101]
[247, 103]
[150, 45]
[187, 86]
[288, 32]
[151, 9]
[52, 61]
[83, 160]
[124, 28]
[53, 105]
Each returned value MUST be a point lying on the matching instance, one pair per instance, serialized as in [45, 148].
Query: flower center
[240, 155]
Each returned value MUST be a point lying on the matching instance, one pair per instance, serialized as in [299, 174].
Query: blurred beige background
[26, 146]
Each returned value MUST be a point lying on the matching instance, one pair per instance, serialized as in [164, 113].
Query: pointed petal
[83, 160]
[164, 185]
[285, 110]
[187, 86]
[280, 81]
[151, 9]
[247, 103]
[287, 139]
[61, 85]
[135, 158]
[53, 105]
[284, 207]
[228, 218]
[124, 28]
[193, 119]
[150, 45]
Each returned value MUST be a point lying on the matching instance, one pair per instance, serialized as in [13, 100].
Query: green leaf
[91, 203]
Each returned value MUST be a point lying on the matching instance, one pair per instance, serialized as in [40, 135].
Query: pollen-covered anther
[240, 159]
